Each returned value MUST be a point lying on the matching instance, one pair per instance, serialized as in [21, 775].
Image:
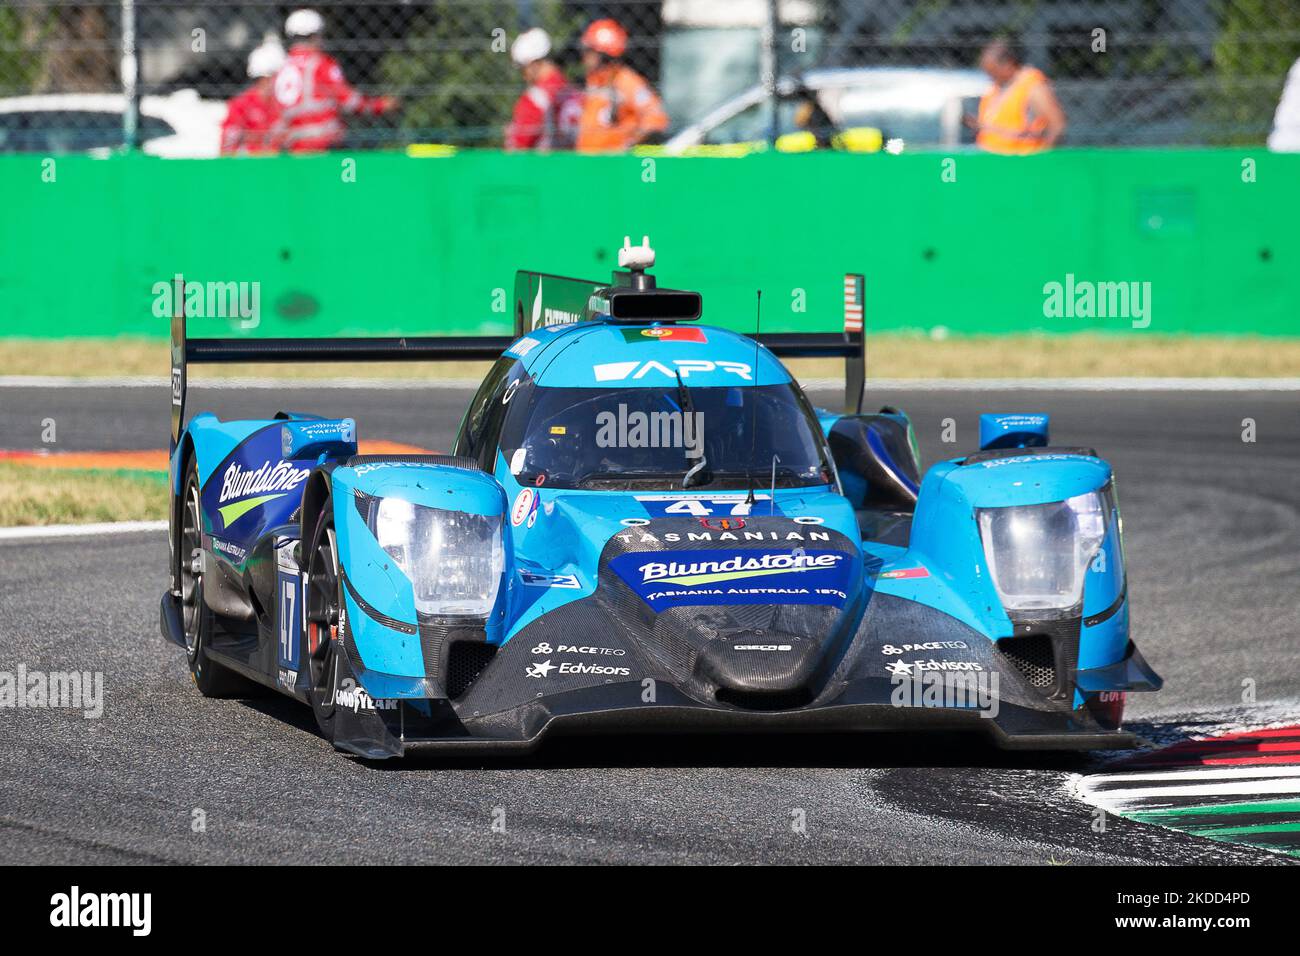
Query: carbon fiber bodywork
[609, 663]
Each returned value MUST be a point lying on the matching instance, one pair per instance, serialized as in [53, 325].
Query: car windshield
[913, 127]
[57, 131]
[663, 437]
[752, 123]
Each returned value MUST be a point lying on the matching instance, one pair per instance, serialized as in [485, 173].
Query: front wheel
[322, 647]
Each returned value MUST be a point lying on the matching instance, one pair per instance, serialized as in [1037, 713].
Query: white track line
[1064, 384]
[1177, 786]
[241, 384]
[73, 381]
[1142, 795]
[78, 530]
[812, 384]
[1206, 773]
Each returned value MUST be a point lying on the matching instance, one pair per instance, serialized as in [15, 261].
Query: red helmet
[605, 36]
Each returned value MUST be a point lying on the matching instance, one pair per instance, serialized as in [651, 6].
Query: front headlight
[1039, 554]
[454, 559]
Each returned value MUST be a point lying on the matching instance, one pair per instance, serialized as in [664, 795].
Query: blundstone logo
[281, 476]
[731, 569]
[265, 484]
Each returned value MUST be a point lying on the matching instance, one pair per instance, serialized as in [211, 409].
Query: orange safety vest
[619, 109]
[1017, 131]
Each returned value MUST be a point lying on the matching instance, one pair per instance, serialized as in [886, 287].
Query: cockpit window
[667, 437]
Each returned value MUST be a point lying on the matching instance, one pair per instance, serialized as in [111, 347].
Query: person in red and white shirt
[547, 113]
[312, 91]
[252, 123]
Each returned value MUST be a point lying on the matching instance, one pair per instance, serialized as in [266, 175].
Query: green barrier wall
[431, 245]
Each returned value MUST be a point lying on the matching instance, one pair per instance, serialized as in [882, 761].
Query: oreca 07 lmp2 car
[645, 526]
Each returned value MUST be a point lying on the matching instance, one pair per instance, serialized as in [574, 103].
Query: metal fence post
[767, 70]
[130, 74]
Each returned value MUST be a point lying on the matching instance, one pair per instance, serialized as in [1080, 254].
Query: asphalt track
[1212, 526]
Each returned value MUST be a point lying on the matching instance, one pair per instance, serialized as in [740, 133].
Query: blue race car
[644, 526]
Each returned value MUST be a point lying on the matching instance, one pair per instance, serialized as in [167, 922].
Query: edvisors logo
[248, 489]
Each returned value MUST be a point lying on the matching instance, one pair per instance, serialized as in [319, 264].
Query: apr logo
[245, 490]
[753, 576]
[622, 371]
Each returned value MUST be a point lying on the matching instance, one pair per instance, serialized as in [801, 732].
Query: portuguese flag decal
[666, 333]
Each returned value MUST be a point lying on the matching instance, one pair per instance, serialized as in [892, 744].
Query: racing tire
[212, 679]
[321, 651]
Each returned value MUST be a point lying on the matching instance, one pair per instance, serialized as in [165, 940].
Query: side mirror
[877, 461]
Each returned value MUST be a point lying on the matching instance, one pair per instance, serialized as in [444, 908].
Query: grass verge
[40, 496]
[889, 355]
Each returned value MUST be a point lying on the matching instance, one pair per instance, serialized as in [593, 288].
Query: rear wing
[186, 351]
[540, 300]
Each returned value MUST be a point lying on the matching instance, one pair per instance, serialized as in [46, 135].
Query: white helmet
[530, 46]
[265, 60]
[304, 23]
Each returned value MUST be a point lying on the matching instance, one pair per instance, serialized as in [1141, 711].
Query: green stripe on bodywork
[727, 576]
[236, 510]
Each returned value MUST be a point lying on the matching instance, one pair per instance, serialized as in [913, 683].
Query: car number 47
[702, 508]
